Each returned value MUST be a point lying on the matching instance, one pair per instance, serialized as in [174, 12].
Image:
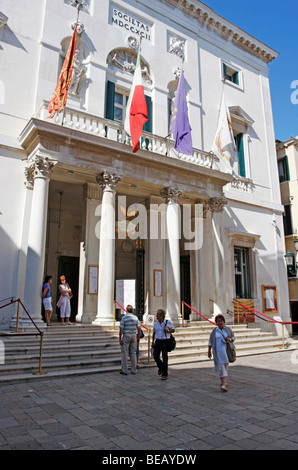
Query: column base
[175, 319]
[105, 323]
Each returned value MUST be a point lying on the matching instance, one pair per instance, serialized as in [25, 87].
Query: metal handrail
[205, 318]
[40, 333]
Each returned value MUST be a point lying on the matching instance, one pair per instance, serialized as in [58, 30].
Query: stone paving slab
[188, 412]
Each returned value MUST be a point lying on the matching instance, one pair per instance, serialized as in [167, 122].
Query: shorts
[47, 303]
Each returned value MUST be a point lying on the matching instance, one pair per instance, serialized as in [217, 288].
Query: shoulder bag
[171, 342]
[231, 350]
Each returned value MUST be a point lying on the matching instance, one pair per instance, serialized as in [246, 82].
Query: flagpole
[79, 6]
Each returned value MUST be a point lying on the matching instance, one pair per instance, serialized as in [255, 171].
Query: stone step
[80, 349]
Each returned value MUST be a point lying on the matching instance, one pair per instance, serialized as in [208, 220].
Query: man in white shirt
[161, 332]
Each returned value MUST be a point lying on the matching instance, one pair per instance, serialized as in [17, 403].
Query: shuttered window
[230, 74]
[116, 106]
[287, 219]
[240, 150]
[283, 169]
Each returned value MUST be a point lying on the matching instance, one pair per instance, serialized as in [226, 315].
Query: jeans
[160, 346]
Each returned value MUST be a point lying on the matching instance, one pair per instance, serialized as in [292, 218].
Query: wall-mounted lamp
[291, 263]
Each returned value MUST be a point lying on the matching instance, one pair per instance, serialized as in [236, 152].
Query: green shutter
[148, 124]
[110, 100]
[236, 78]
[240, 148]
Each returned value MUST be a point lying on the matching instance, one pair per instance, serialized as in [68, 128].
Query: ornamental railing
[113, 130]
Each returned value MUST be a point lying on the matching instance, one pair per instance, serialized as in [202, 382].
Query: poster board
[126, 292]
[269, 296]
[157, 283]
[92, 279]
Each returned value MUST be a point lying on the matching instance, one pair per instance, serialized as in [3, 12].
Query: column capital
[215, 204]
[108, 181]
[171, 194]
[39, 166]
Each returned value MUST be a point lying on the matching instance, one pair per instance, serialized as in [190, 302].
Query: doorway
[185, 283]
[69, 266]
[294, 316]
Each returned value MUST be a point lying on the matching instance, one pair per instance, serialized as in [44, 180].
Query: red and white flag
[136, 110]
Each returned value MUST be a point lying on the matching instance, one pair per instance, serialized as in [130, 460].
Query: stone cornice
[207, 18]
[287, 143]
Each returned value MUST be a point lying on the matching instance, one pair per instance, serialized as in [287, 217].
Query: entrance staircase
[84, 349]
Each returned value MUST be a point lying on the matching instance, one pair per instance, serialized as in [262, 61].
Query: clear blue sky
[275, 23]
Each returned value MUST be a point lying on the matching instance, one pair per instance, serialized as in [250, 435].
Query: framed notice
[269, 296]
[92, 279]
[157, 283]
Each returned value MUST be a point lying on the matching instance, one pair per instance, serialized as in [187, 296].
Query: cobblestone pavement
[187, 412]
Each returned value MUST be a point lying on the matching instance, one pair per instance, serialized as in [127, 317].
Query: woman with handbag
[219, 338]
[64, 301]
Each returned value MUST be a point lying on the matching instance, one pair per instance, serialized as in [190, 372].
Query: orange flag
[59, 96]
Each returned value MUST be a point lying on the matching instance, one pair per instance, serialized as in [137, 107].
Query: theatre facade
[157, 228]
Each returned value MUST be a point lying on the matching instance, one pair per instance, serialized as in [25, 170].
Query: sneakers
[123, 373]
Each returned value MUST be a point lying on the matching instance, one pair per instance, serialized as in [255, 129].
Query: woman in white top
[219, 338]
[64, 300]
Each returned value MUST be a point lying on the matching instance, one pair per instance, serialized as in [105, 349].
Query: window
[242, 272]
[116, 101]
[283, 169]
[287, 219]
[120, 102]
[231, 74]
[240, 152]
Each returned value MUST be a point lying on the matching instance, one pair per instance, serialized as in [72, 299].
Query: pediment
[238, 114]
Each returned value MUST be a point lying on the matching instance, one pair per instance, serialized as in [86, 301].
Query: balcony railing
[114, 131]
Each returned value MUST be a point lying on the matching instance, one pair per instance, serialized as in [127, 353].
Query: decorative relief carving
[215, 204]
[125, 60]
[108, 181]
[83, 5]
[176, 46]
[39, 166]
[171, 194]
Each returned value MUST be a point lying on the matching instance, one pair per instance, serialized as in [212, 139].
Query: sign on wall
[134, 25]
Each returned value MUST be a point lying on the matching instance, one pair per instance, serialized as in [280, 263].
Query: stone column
[106, 270]
[173, 224]
[215, 206]
[38, 171]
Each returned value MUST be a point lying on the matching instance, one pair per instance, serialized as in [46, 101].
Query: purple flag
[181, 129]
